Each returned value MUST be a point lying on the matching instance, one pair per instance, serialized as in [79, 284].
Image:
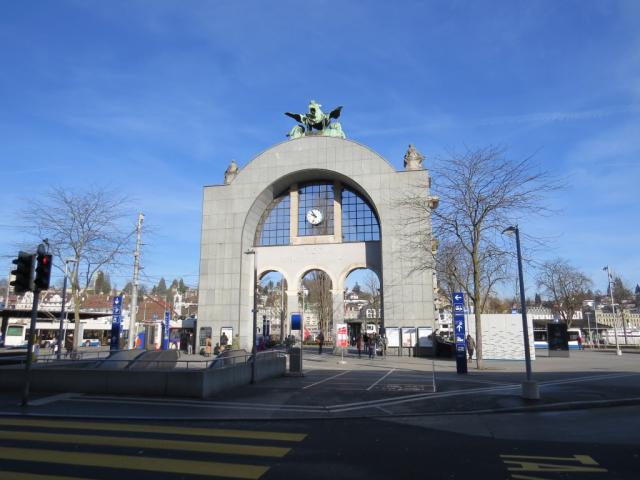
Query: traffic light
[43, 272]
[23, 281]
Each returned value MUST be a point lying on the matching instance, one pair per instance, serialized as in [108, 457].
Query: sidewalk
[391, 386]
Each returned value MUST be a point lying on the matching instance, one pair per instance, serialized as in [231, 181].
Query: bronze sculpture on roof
[316, 120]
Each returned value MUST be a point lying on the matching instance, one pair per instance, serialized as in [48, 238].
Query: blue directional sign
[296, 321]
[116, 323]
[459, 332]
[167, 326]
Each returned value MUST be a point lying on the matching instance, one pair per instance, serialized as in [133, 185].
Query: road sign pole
[459, 333]
[32, 334]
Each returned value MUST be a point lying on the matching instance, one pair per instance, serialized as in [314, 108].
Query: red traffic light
[43, 272]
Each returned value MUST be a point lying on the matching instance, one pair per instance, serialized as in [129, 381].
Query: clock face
[314, 216]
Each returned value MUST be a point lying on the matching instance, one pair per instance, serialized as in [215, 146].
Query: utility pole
[282, 316]
[613, 309]
[6, 297]
[62, 307]
[134, 287]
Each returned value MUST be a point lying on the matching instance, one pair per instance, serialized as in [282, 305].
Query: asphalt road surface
[582, 444]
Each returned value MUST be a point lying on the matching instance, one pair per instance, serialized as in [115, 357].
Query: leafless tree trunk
[565, 285]
[86, 227]
[480, 192]
[372, 287]
[319, 299]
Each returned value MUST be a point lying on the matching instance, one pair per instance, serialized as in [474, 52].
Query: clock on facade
[314, 216]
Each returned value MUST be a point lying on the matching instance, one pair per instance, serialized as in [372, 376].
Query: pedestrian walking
[365, 338]
[190, 344]
[580, 345]
[359, 343]
[471, 346]
[320, 339]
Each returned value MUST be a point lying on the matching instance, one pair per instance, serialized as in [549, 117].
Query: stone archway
[363, 295]
[272, 305]
[316, 303]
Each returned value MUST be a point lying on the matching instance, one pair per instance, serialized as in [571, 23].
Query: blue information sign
[459, 332]
[116, 323]
[167, 326]
[296, 321]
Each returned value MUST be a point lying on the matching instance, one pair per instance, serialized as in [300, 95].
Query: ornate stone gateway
[317, 202]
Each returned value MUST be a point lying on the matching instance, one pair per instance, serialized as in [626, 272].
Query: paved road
[599, 444]
[362, 387]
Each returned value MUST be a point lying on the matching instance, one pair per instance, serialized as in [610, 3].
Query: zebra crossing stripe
[150, 464]
[124, 427]
[142, 442]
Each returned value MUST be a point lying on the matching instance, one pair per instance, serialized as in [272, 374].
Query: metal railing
[101, 357]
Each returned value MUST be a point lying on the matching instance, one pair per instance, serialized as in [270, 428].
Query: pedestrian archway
[272, 306]
[316, 304]
[363, 311]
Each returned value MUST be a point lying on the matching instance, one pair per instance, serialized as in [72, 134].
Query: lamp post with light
[303, 293]
[530, 388]
[62, 307]
[613, 309]
[255, 313]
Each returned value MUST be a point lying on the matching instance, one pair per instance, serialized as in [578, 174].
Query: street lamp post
[62, 307]
[530, 388]
[588, 314]
[304, 292]
[613, 309]
[255, 313]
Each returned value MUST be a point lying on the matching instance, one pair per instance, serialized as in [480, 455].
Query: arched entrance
[316, 305]
[363, 311]
[272, 306]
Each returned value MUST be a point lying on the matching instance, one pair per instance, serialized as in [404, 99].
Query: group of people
[221, 346]
[371, 343]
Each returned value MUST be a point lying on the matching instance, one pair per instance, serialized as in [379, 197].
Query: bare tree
[565, 285]
[372, 287]
[319, 299]
[479, 192]
[85, 227]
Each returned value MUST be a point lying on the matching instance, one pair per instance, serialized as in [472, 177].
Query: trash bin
[295, 360]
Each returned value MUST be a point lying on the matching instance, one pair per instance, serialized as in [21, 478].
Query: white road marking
[326, 380]
[338, 408]
[52, 398]
[380, 379]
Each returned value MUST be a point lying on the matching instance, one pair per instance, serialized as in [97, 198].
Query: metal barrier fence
[102, 358]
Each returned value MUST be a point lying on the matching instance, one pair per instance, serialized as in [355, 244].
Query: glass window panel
[359, 222]
[317, 195]
[273, 228]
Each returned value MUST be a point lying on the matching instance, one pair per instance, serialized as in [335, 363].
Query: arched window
[359, 223]
[273, 228]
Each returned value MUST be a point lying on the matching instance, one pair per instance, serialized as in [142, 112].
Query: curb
[551, 407]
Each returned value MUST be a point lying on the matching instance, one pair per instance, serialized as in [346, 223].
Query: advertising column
[459, 332]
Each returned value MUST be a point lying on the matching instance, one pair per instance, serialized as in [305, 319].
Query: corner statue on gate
[316, 119]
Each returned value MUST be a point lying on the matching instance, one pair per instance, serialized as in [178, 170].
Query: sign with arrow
[458, 321]
[116, 323]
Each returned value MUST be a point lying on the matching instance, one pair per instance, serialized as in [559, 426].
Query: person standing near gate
[320, 342]
[471, 346]
[224, 341]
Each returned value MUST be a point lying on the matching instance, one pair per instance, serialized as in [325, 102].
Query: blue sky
[156, 97]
